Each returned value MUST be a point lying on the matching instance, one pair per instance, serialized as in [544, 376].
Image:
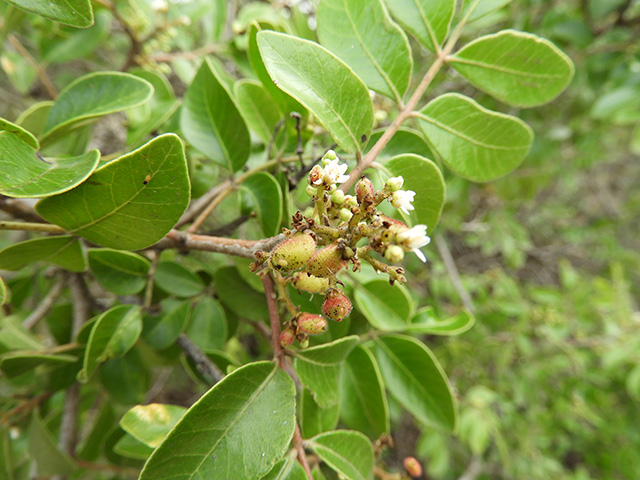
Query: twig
[202, 202]
[274, 318]
[450, 265]
[192, 55]
[136, 44]
[302, 456]
[27, 405]
[47, 302]
[204, 365]
[151, 275]
[210, 208]
[473, 469]
[32, 227]
[17, 209]
[42, 74]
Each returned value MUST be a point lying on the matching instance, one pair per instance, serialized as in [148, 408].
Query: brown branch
[17, 209]
[204, 365]
[151, 275]
[450, 265]
[42, 74]
[47, 302]
[197, 223]
[25, 406]
[302, 456]
[196, 207]
[136, 44]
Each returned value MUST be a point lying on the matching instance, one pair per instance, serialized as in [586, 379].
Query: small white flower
[402, 199]
[414, 239]
[394, 184]
[334, 172]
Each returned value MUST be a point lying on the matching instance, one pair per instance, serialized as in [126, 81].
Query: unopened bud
[315, 175]
[412, 467]
[311, 191]
[394, 184]
[287, 336]
[311, 324]
[293, 252]
[309, 283]
[364, 188]
[338, 197]
[345, 214]
[394, 253]
[350, 201]
[336, 305]
[326, 262]
[330, 155]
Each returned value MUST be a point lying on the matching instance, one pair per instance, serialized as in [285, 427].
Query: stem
[283, 296]
[210, 208]
[274, 319]
[203, 363]
[228, 246]
[302, 456]
[136, 44]
[32, 227]
[42, 74]
[192, 55]
[47, 302]
[452, 270]
[17, 209]
[148, 292]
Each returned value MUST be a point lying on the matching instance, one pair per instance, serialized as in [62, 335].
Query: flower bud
[412, 467]
[287, 336]
[326, 262]
[311, 191]
[316, 175]
[350, 201]
[394, 184]
[311, 324]
[309, 283]
[364, 188]
[337, 197]
[394, 253]
[330, 155]
[336, 306]
[345, 214]
[293, 252]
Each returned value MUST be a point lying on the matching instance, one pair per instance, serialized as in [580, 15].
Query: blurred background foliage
[549, 376]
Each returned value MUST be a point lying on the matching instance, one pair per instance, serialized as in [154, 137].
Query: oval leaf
[348, 453]
[424, 321]
[259, 109]
[427, 20]
[416, 380]
[362, 34]
[404, 141]
[517, 68]
[313, 419]
[423, 177]
[211, 121]
[151, 423]
[24, 135]
[63, 250]
[267, 197]
[208, 326]
[123, 273]
[77, 13]
[93, 96]
[238, 296]
[26, 174]
[162, 331]
[321, 82]
[44, 450]
[386, 308]
[130, 203]
[17, 363]
[474, 142]
[287, 469]
[178, 280]
[224, 434]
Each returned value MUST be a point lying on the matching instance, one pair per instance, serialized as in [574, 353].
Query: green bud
[326, 262]
[311, 191]
[292, 254]
[310, 284]
[364, 188]
[394, 253]
[338, 197]
[330, 155]
[345, 214]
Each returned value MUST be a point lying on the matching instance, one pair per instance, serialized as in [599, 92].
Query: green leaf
[3, 292]
[315, 420]
[427, 20]
[484, 7]
[323, 83]
[112, 335]
[348, 453]
[363, 35]
[77, 44]
[416, 380]
[161, 332]
[93, 96]
[126, 379]
[17, 363]
[178, 280]
[27, 174]
[24, 135]
[63, 250]
[129, 447]
[77, 13]
[238, 296]
[43, 449]
[238, 429]
[319, 369]
[386, 308]
[123, 273]
[267, 195]
[259, 109]
[363, 404]
[423, 177]
[151, 423]
[474, 142]
[404, 141]
[287, 469]
[208, 325]
[130, 203]
[425, 322]
[517, 68]
[211, 121]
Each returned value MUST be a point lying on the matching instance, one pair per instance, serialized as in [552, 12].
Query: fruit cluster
[339, 230]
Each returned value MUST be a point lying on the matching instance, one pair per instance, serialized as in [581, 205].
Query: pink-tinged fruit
[336, 306]
[311, 324]
[412, 467]
[287, 336]
[310, 284]
[293, 253]
[364, 188]
[326, 262]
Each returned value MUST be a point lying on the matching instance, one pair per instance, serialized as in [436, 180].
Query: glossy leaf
[63, 250]
[77, 13]
[259, 109]
[211, 122]
[427, 20]
[363, 404]
[319, 369]
[348, 453]
[176, 279]
[386, 308]
[93, 96]
[162, 331]
[130, 203]
[151, 423]
[24, 135]
[416, 380]
[425, 322]
[517, 68]
[112, 335]
[474, 142]
[363, 35]
[323, 84]
[17, 363]
[26, 174]
[3, 292]
[208, 325]
[423, 177]
[315, 420]
[238, 296]
[44, 450]
[238, 429]
[123, 273]
[267, 195]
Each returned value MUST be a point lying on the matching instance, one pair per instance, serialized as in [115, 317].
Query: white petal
[419, 254]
